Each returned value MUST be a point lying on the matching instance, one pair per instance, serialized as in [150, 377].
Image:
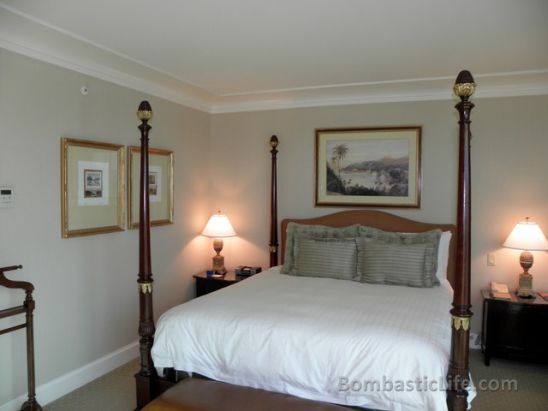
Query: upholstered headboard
[383, 221]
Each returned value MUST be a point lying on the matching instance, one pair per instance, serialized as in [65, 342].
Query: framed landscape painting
[375, 167]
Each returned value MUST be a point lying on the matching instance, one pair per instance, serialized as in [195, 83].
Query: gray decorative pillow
[398, 264]
[311, 231]
[326, 258]
[431, 237]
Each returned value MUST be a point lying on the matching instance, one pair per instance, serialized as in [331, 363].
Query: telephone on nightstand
[499, 290]
[499, 287]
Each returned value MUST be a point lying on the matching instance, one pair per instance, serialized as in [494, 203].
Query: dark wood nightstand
[206, 285]
[516, 328]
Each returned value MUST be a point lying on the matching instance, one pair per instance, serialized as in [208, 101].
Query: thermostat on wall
[7, 196]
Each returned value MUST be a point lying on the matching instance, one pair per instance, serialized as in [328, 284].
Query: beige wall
[86, 289]
[508, 164]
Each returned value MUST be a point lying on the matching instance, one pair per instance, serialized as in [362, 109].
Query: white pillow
[443, 256]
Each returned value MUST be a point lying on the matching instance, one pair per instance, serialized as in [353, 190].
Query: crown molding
[29, 37]
[387, 82]
[109, 75]
[33, 38]
[493, 86]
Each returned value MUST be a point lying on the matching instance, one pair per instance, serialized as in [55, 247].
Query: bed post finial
[147, 373]
[144, 112]
[273, 205]
[464, 85]
[458, 374]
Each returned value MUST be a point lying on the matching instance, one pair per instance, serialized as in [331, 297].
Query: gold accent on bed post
[464, 89]
[458, 374]
[145, 288]
[461, 322]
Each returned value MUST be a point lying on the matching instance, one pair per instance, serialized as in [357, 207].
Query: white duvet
[344, 342]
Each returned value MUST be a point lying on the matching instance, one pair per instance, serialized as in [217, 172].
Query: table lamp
[218, 227]
[526, 236]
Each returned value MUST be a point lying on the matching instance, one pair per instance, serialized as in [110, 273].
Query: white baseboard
[54, 389]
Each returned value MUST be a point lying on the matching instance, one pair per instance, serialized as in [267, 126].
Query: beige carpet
[112, 392]
[532, 385]
[116, 390]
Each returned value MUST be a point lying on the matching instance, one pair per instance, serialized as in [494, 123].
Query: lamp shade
[218, 226]
[526, 235]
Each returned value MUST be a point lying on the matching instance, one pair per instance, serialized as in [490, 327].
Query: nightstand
[206, 285]
[516, 328]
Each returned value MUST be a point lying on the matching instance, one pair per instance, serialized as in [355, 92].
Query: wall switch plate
[491, 262]
[7, 196]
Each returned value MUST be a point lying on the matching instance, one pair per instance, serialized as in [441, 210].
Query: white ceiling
[230, 55]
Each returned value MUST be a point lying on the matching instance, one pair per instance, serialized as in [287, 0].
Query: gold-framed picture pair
[160, 186]
[368, 167]
[92, 187]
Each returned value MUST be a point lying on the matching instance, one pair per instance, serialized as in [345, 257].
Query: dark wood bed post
[273, 205]
[458, 375]
[145, 378]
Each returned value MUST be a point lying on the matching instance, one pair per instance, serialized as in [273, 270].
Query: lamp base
[526, 286]
[218, 266]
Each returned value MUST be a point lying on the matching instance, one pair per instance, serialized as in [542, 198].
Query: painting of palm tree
[338, 153]
[370, 166]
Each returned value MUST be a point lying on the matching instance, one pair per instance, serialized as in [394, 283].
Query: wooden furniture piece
[150, 385]
[206, 285]
[27, 308]
[194, 394]
[514, 328]
[458, 375]
[273, 246]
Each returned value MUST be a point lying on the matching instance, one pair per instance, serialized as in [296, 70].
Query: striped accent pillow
[326, 258]
[295, 230]
[398, 264]
[431, 237]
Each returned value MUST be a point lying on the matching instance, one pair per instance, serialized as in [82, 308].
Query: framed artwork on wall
[160, 186]
[371, 167]
[92, 187]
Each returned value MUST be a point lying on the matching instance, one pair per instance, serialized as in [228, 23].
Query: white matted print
[155, 184]
[93, 183]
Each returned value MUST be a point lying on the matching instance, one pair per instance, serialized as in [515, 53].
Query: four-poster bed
[150, 384]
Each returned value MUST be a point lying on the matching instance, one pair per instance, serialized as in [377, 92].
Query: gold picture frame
[92, 187]
[368, 167]
[160, 186]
